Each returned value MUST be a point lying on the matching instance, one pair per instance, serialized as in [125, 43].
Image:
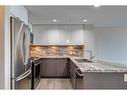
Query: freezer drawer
[23, 81]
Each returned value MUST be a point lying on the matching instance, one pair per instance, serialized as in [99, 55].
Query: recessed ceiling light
[54, 20]
[84, 20]
[97, 5]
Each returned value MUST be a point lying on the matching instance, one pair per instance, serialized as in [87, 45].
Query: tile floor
[54, 83]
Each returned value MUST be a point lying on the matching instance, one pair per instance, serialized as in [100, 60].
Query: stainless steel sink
[83, 60]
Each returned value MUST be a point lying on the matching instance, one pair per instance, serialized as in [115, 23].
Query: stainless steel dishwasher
[79, 79]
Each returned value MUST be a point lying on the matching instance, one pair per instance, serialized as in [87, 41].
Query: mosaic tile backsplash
[56, 50]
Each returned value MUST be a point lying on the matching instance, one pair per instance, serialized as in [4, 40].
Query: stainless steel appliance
[20, 60]
[36, 76]
[31, 38]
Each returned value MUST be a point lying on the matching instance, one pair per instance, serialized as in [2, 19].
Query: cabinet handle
[80, 74]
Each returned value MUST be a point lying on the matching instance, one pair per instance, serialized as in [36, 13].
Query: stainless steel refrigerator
[20, 59]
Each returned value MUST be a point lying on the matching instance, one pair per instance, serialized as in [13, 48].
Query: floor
[54, 83]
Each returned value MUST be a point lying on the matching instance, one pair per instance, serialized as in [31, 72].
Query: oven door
[36, 71]
[36, 76]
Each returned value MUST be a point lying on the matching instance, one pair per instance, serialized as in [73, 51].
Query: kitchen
[64, 47]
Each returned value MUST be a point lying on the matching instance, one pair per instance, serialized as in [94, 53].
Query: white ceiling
[100, 16]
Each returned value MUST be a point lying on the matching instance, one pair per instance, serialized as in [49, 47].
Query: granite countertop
[37, 58]
[100, 66]
[95, 66]
[55, 57]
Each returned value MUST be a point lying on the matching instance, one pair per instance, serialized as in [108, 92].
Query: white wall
[89, 39]
[31, 27]
[106, 43]
[111, 44]
[20, 12]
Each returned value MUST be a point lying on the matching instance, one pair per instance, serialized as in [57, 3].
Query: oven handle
[37, 63]
[80, 74]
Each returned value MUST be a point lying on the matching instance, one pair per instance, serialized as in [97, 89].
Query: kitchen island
[99, 75]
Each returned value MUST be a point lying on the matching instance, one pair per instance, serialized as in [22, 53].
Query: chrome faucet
[91, 54]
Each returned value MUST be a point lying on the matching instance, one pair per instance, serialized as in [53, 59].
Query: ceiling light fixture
[68, 41]
[54, 20]
[84, 20]
[97, 5]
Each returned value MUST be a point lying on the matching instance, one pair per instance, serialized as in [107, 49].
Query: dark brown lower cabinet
[48, 67]
[62, 67]
[55, 67]
[73, 75]
[104, 80]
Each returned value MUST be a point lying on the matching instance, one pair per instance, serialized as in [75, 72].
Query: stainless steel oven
[36, 76]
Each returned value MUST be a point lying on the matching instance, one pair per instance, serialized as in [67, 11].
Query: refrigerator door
[20, 42]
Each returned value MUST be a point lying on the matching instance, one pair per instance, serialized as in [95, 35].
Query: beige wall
[4, 48]
[2, 65]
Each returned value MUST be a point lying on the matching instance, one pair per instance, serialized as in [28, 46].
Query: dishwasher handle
[80, 74]
[37, 63]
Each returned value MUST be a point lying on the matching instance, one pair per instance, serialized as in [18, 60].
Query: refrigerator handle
[26, 59]
[23, 75]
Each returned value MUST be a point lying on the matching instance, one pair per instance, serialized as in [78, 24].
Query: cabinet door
[77, 34]
[62, 67]
[53, 34]
[49, 67]
[65, 34]
[73, 74]
[40, 34]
